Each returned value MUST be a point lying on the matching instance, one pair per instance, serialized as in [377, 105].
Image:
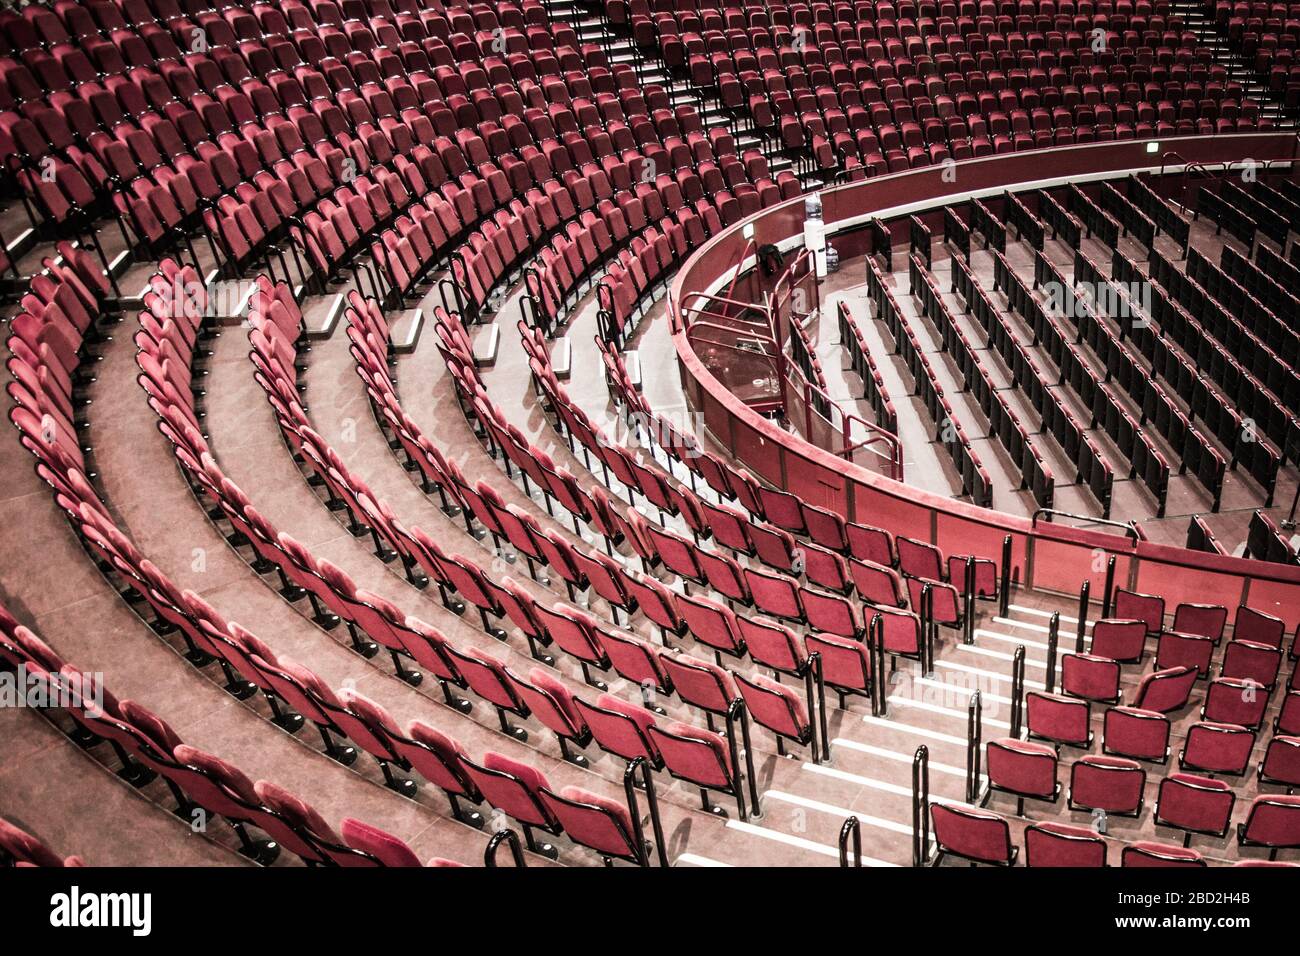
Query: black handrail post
[1017, 691]
[1053, 635]
[504, 836]
[927, 631]
[852, 828]
[1110, 587]
[635, 766]
[733, 749]
[974, 742]
[756, 808]
[1004, 586]
[815, 686]
[968, 611]
[921, 806]
[1084, 593]
[876, 654]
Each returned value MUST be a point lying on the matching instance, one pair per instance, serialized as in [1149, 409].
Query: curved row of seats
[888, 94]
[147, 748]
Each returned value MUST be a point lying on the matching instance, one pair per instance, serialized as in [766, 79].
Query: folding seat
[1147, 853]
[700, 684]
[845, 663]
[702, 758]
[297, 826]
[877, 584]
[1206, 620]
[620, 728]
[711, 623]
[978, 836]
[222, 789]
[437, 758]
[598, 823]
[782, 509]
[1060, 719]
[656, 602]
[1111, 784]
[944, 603]
[1132, 605]
[19, 848]
[1175, 649]
[489, 679]
[774, 593]
[986, 582]
[1090, 677]
[1061, 844]
[1250, 661]
[1119, 640]
[871, 544]
[1257, 627]
[1195, 805]
[636, 660]
[826, 528]
[1273, 822]
[729, 527]
[575, 632]
[372, 846]
[1231, 700]
[1024, 769]
[1281, 763]
[777, 708]
[1140, 734]
[551, 703]
[1165, 691]
[516, 789]
[1217, 748]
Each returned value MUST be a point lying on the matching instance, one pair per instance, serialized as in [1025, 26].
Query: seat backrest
[1218, 748]
[1113, 784]
[594, 821]
[1060, 844]
[381, 845]
[1165, 691]
[1273, 821]
[512, 787]
[1197, 804]
[1252, 625]
[1058, 718]
[1207, 620]
[979, 835]
[1090, 677]
[698, 756]
[1119, 640]
[1023, 767]
[1143, 607]
[1131, 732]
[619, 727]
[1148, 853]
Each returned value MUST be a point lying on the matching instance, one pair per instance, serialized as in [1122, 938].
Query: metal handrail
[504, 836]
[1017, 691]
[1053, 637]
[1004, 584]
[928, 629]
[1084, 591]
[815, 688]
[852, 828]
[641, 765]
[968, 603]
[921, 806]
[737, 714]
[876, 655]
[1130, 527]
[974, 744]
[1108, 593]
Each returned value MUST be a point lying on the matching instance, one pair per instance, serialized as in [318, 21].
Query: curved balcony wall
[1048, 556]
